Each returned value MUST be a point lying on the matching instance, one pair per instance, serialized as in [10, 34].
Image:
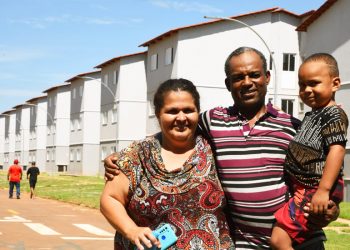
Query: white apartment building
[22, 112]
[38, 131]
[123, 102]
[8, 138]
[198, 53]
[58, 128]
[327, 31]
[84, 142]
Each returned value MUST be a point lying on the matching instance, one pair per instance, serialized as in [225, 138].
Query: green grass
[338, 224]
[337, 241]
[80, 190]
[345, 210]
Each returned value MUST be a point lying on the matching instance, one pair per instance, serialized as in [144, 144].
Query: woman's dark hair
[174, 85]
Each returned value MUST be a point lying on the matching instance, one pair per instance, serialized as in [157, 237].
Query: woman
[169, 178]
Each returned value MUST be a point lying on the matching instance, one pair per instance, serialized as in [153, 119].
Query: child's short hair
[327, 59]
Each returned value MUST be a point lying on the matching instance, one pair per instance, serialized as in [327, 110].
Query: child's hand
[319, 202]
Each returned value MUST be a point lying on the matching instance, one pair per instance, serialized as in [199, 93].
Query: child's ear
[336, 83]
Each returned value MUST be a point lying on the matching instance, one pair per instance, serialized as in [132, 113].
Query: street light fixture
[102, 83]
[255, 32]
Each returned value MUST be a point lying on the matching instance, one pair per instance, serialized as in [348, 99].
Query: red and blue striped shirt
[250, 166]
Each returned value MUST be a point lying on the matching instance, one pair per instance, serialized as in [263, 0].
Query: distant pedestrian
[14, 175]
[32, 175]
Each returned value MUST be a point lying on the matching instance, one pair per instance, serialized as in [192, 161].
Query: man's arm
[111, 169]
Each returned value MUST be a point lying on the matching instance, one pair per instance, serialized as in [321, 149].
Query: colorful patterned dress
[189, 198]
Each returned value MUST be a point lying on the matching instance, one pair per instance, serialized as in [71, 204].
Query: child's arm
[334, 161]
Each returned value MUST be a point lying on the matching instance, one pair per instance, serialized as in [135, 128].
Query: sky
[43, 43]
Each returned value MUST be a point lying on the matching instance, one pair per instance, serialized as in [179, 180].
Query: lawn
[86, 190]
[81, 190]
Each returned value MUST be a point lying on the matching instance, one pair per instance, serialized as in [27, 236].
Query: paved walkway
[340, 230]
[42, 224]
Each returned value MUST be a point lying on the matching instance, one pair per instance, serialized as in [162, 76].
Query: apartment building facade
[84, 141]
[198, 53]
[58, 132]
[123, 102]
[37, 131]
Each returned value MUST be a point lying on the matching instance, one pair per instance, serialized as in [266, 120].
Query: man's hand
[319, 221]
[111, 169]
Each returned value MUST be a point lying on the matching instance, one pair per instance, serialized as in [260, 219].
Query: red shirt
[15, 173]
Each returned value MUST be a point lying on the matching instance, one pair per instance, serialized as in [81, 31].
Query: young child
[314, 160]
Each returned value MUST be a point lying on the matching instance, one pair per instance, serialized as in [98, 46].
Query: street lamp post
[265, 44]
[102, 83]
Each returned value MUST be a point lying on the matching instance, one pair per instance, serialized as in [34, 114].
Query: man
[250, 140]
[32, 175]
[14, 175]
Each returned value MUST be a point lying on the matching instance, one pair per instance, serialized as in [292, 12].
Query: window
[103, 153]
[114, 115]
[48, 130]
[115, 78]
[271, 61]
[105, 79]
[78, 154]
[150, 108]
[288, 62]
[78, 126]
[71, 155]
[169, 57]
[154, 61]
[74, 93]
[287, 106]
[113, 149]
[71, 125]
[49, 102]
[81, 91]
[104, 117]
[53, 129]
[53, 155]
[47, 155]
[301, 107]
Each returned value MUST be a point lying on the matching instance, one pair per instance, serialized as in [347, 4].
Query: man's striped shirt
[250, 166]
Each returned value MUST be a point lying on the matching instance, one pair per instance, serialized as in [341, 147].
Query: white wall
[62, 126]
[132, 100]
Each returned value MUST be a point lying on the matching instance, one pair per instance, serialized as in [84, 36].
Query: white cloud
[43, 23]
[18, 92]
[187, 7]
[18, 54]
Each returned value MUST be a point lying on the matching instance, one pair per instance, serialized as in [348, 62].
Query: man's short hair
[240, 51]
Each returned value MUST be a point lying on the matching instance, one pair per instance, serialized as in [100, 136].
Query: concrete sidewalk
[48, 224]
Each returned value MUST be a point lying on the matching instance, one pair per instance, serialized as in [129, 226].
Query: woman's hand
[111, 169]
[142, 236]
[319, 221]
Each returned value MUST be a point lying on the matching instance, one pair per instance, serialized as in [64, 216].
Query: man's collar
[270, 110]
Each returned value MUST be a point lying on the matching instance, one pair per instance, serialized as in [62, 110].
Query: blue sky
[45, 42]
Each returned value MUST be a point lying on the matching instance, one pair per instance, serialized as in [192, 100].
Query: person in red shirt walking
[14, 175]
